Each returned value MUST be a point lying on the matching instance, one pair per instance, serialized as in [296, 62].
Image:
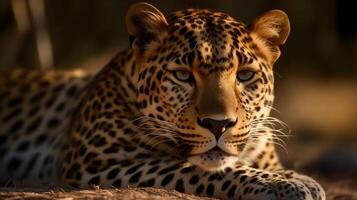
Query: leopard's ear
[273, 28]
[145, 25]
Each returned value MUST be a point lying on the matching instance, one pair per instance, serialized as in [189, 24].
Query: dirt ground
[98, 194]
[336, 188]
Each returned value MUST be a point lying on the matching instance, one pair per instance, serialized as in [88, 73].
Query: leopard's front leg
[240, 182]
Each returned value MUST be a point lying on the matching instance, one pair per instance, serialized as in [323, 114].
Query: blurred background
[316, 77]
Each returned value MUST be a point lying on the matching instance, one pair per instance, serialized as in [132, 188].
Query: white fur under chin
[213, 160]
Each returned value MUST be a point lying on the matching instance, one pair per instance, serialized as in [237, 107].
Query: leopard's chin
[213, 160]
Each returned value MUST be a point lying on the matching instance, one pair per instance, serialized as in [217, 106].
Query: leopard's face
[205, 88]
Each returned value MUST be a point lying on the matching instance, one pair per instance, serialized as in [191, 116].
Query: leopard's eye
[245, 75]
[184, 76]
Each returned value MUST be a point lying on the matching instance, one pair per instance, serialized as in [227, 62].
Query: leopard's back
[35, 107]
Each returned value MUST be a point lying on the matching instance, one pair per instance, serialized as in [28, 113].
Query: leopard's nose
[217, 127]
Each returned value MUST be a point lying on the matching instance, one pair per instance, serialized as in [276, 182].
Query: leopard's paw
[317, 192]
[297, 187]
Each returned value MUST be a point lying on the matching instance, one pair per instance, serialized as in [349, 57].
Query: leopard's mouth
[213, 160]
[218, 150]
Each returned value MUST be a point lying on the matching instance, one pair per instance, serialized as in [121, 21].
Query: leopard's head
[205, 81]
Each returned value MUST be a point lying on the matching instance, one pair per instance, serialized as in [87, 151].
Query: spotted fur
[170, 111]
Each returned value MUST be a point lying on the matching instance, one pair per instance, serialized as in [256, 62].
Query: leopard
[186, 107]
